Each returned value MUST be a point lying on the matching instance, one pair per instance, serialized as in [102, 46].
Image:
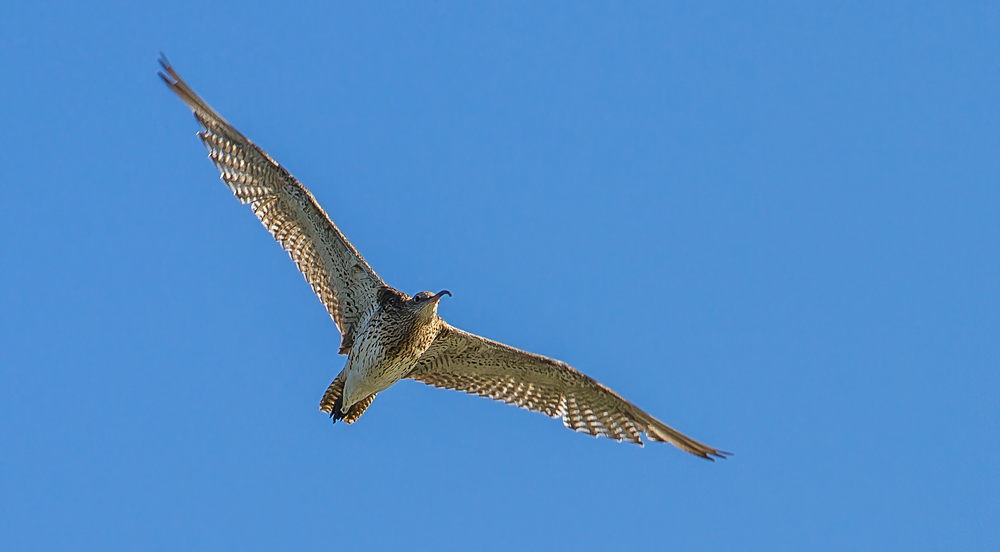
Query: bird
[388, 335]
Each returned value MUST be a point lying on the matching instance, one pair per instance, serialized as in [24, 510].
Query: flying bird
[388, 335]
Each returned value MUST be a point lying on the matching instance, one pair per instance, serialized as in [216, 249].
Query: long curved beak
[440, 294]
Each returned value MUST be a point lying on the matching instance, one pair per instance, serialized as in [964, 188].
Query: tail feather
[333, 402]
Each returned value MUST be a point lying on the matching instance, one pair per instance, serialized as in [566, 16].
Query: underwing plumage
[388, 335]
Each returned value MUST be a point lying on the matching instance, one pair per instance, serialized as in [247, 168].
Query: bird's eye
[417, 298]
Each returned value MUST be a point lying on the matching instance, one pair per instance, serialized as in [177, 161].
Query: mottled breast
[386, 347]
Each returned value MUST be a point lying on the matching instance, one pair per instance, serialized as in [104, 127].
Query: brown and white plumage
[344, 282]
[465, 362]
[389, 335]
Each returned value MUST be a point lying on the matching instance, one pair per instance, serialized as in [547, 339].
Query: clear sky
[775, 228]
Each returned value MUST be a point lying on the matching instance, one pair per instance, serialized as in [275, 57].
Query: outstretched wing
[466, 362]
[338, 274]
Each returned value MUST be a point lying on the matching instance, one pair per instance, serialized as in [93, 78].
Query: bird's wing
[338, 274]
[466, 362]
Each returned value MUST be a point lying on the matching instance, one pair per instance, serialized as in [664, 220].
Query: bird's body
[397, 332]
[388, 335]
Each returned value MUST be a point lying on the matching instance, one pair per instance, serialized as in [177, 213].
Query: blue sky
[773, 227]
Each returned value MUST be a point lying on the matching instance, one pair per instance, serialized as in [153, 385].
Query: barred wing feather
[465, 362]
[344, 282]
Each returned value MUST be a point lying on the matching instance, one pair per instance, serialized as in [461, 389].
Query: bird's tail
[333, 402]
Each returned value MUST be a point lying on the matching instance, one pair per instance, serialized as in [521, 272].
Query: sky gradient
[774, 228]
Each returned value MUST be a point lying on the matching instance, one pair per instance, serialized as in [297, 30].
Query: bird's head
[425, 303]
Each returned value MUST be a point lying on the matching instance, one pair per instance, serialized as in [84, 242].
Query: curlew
[388, 335]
